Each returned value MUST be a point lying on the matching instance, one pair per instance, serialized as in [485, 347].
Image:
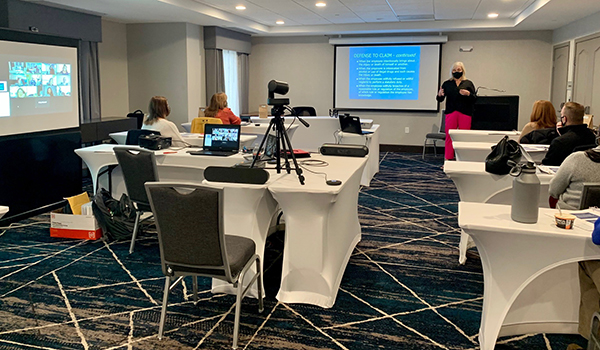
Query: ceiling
[302, 17]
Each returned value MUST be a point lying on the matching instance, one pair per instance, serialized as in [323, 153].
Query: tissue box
[74, 226]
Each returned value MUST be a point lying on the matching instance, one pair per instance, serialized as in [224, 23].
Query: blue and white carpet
[403, 287]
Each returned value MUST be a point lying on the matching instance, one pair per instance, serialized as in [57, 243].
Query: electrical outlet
[406, 130]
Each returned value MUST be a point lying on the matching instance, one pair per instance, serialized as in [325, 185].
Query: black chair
[304, 111]
[138, 167]
[189, 219]
[133, 136]
[436, 136]
[590, 195]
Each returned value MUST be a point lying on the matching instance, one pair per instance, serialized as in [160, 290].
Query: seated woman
[158, 110]
[218, 109]
[543, 116]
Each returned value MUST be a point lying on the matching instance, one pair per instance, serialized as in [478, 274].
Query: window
[230, 68]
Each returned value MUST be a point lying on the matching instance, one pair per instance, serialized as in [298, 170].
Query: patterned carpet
[403, 287]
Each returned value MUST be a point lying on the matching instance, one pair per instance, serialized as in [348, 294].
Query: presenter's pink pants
[455, 120]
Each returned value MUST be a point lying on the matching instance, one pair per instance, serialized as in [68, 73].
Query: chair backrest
[133, 136]
[594, 342]
[443, 122]
[305, 111]
[198, 124]
[590, 195]
[138, 167]
[189, 219]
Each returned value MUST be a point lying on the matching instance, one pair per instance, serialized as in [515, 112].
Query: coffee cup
[564, 220]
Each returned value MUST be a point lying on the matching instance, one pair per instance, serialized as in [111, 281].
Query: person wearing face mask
[573, 133]
[459, 93]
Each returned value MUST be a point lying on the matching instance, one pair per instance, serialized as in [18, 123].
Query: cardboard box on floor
[74, 226]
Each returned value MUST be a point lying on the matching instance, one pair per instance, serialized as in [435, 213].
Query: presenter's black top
[456, 101]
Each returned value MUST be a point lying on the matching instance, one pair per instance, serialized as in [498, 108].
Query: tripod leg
[286, 139]
[284, 147]
[262, 143]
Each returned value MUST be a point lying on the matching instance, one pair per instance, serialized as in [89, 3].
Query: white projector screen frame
[384, 77]
[39, 88]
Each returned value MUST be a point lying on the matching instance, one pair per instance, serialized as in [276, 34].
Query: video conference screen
[221, 137]
[38, 88]
[387, 77]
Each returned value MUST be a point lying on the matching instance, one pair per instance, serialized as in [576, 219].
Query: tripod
[283, 144]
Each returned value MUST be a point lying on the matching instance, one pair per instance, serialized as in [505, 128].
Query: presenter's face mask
[457, 74]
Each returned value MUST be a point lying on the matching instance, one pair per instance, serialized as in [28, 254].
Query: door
[560, 67]
[586, 88]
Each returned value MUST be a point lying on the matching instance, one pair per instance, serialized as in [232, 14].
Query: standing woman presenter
[460, 94]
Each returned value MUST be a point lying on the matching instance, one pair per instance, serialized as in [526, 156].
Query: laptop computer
[220, 140]
[351, 124]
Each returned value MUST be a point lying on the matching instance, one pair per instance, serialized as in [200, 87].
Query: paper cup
[564, 221]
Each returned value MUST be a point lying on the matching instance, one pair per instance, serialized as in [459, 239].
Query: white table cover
[3, 210]
[322, 226]
[322, 229]
[474, 184]
[478, 151]
[529, 271]
[494, 136]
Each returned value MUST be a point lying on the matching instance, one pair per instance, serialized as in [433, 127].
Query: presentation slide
[390, 77]
[38, 88]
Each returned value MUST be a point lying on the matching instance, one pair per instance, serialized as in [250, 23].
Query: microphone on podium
[487, 88]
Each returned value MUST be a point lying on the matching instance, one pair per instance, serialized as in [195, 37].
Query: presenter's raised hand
[441, 92]
[464, 92]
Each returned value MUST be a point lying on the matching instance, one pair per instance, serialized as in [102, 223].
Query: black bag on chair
[505, 150]
[115, 217]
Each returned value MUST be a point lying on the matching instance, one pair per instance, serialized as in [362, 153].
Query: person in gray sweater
[577, 168]
[567, 185]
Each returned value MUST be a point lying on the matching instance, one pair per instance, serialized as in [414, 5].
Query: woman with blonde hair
[158, 110]
[460, 94]
[218, 109]
[543, 115]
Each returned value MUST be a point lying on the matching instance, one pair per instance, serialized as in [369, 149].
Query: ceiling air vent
[408, 18]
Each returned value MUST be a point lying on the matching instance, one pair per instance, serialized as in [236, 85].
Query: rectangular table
[494, 136]
[478, 151]
[191, 138]
[529, 271]
[474, 184]
[318, 215]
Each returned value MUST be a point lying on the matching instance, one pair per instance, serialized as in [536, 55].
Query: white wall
[518, 62]
[196, 95]
[585, 26]
[157, 64]
[112, 57]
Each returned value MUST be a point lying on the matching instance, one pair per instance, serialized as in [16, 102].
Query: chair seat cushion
[436, 136]
[239, 251]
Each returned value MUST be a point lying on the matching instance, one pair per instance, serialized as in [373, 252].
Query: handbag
[115, 217]
[506, 150]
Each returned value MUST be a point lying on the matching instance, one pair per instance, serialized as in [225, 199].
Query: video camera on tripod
[283, 143]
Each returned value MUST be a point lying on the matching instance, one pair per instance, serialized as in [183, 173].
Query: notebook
[220, 140]
[351, 124]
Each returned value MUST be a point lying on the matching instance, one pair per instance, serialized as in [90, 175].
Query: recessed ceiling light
[280, 22]
[320, 4]
[492, 15]
[240, 7]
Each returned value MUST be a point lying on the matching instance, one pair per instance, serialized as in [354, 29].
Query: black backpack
[115, 217]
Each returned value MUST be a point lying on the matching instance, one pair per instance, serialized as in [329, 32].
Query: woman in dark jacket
[460, 94]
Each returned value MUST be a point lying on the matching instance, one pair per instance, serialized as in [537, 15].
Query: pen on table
[169, 152]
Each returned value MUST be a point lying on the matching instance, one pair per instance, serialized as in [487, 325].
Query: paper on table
[548, 169]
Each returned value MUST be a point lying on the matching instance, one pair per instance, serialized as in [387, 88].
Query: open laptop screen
[221, 137]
